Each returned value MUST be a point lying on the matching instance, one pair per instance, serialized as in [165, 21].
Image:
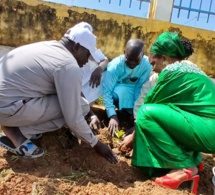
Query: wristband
[92, 117]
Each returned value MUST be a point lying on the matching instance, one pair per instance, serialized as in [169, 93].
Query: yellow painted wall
[28, 21]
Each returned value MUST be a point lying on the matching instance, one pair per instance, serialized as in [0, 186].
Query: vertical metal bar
[140, 6]
[130, 3]
[210, 5]
[99, 1]
[200, 7]
[188, 15]
[109, 1]
[120, 2]
[179, 8]
[209, 11]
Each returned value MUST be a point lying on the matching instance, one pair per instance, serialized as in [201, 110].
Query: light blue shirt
[117, 80]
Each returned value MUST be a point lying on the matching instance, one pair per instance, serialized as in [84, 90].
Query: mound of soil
[72, 167]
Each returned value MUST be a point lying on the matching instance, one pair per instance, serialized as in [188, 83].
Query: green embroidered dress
[177, 120]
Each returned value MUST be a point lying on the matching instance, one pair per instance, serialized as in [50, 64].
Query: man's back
[28, 71]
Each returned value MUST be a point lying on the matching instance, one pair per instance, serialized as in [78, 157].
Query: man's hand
[127, 144]
[95, 78]
[113, 124]
[95, 123]
[105, 151]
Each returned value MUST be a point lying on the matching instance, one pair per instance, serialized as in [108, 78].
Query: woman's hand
[127, 144]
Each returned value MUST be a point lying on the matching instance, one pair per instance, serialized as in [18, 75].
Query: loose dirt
[71, 167]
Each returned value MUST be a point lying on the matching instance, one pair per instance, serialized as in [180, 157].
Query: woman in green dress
[177, 120]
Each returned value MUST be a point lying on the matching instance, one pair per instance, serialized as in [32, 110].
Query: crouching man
[40, 91]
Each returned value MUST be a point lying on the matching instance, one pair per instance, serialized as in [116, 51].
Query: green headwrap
[169, 44]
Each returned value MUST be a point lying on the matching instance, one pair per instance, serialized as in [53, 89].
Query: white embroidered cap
[85, 38]
[84, 25]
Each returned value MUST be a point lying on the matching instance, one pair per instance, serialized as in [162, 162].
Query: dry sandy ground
[77, 169]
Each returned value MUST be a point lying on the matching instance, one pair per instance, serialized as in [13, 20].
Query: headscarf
[169, 44]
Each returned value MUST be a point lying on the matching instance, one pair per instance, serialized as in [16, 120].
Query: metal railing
[130, 2]
[138, 8]
[195, 13]
[199, 10]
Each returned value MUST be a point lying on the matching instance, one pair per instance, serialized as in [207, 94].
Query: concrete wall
[161, 10]
[28, 21]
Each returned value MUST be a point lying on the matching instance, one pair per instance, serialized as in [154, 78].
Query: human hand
[127, 144]
[106, 152]
[95, 123]
[113, 125]
[95, 78]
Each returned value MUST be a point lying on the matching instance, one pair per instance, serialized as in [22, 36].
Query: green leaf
[119, 133]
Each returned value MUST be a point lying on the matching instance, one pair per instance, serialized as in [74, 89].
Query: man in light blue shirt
[123, 80]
